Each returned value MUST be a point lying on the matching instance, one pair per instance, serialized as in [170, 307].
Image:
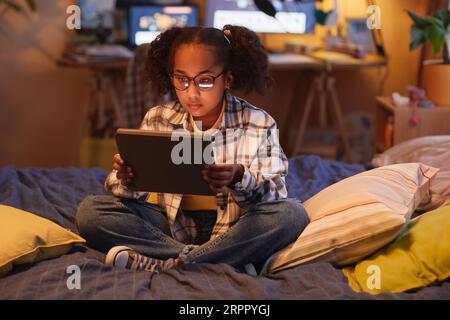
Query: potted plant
[435, 29]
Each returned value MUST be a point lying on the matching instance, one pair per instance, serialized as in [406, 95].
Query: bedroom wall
[357, 89]
[42, 104]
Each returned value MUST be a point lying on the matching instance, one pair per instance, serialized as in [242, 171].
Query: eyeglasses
[201, 81]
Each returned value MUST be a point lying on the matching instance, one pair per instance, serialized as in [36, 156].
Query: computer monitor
[292, 16]
[96, 13]
[146, 22]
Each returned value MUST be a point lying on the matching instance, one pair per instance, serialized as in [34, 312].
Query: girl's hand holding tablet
[219, 176]
[124, 173]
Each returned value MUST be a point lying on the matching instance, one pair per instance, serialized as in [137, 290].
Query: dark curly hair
[245, 56]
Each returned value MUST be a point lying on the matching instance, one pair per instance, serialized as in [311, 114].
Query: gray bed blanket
[56, 193]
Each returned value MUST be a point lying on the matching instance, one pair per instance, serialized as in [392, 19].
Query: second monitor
[146, 22]
[292, 16]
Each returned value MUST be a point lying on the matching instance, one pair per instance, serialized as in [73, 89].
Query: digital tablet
[161, 163]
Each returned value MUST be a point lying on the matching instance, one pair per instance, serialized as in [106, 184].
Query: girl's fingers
[217, 183]
[124, 175]
[217, 186]
[125, 181]
[220, 174]
[118, 159]
[220, 167]
[207, 178]
[123, 169]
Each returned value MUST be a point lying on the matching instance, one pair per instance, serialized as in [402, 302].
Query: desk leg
[88, 126]
[331, 87]
[322, 102]
[292, 108]
[304, 121]
[101, 102]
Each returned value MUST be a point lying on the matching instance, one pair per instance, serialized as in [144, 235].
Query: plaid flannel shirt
[248, 136]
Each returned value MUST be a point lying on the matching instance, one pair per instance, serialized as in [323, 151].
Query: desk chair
[138, 96]
[104, 106]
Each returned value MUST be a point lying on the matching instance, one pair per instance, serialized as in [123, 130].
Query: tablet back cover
[149, 153]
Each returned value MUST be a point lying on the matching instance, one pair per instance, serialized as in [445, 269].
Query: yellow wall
[42, 105]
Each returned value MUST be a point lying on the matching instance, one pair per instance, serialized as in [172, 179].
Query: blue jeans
[107, 221]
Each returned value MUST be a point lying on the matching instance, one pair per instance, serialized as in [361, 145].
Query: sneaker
[127, 258]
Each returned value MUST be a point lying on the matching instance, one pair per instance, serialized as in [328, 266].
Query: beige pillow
[356, 216]
[430, 150]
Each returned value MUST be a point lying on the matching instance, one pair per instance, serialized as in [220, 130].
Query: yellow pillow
[356, 216]
[27, 238]
[419, 257]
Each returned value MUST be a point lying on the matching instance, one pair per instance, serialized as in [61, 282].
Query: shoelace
[142, 262]
[148, 264]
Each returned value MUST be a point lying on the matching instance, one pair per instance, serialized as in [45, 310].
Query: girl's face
[198, 60]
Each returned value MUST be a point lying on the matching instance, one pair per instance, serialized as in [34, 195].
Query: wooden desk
[108, 80]
[290, 61]
[324, 85]
[348, 63]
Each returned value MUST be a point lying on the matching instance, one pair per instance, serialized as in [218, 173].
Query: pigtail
[249, 60]
[158, 65]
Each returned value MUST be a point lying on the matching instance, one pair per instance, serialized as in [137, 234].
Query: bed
[55, 194]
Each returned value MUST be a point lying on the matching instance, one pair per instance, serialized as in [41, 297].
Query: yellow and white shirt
[196, 202]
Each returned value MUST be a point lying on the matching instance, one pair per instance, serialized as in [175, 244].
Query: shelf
[431, 121]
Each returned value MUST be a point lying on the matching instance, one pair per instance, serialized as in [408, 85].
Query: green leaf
[417, 37]
[444, 16]
[418, 21]
[434, 28]
[437, 38]
[436, 22]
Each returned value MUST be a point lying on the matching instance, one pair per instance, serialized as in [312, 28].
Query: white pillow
[430, 150]
[358, 215]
